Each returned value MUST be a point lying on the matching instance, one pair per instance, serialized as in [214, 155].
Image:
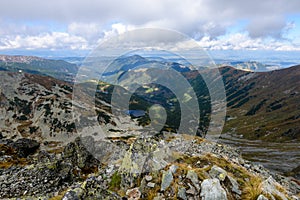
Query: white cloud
[242, 41]
[88, 22]
[116, 29]
[54, 40]
[187, 16]
[87, 30]
[78, 39]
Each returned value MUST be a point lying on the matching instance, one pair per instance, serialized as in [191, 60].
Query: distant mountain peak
[253, 66]
[59, 69]
[19, 58]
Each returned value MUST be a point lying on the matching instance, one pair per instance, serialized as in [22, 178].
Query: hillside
[263, 105]
[41, 108]
[58, 69]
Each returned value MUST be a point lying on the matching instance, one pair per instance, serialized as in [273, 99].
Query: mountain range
[50, 136]
[260, 105]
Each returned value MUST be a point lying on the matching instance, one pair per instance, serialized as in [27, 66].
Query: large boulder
[211, 189]
[25, 146]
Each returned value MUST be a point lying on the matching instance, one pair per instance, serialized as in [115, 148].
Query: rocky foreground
[149, 167]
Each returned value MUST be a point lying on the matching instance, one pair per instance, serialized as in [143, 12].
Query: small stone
[191, 191]
[109, 169]
[159, 197]
[261, 197]
[150, 184]
[148, 178]
[71, 195]
[182, 193]
[133, 194]
[173, 168]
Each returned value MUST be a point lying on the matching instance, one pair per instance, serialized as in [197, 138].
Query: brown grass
[252, 188]
[15, 161]
[59, 196]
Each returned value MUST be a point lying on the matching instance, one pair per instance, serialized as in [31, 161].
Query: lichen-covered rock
[211, 189]
[218, 172]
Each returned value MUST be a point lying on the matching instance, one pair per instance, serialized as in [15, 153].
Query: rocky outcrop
[43, 173]
[193, 171]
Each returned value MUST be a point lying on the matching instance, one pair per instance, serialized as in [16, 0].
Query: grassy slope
[265, 106]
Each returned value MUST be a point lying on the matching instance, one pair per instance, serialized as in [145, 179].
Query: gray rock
[234, 185]
[211, 190]
[269, 187]
[218, 172]
[181, 193]
[173, 168]
[148, 178]
[261, 197]
[194, 178]
[150, 184]
[192, 190]
[167, 179]
[71, 195]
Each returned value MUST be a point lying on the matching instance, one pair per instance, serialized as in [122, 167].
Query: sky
[79, 26]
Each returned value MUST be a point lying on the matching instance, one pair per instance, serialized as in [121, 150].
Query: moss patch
[115, 182]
